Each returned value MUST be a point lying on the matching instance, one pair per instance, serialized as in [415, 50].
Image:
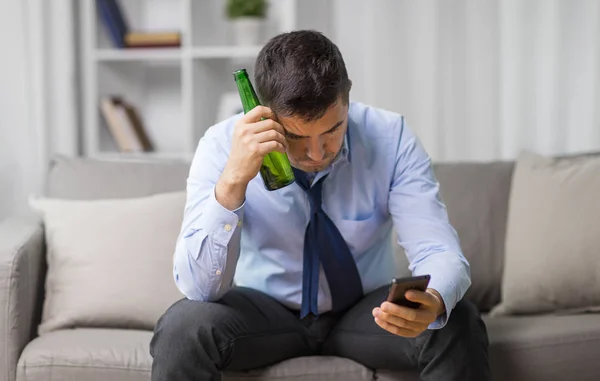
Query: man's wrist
[229, 193]
[442, 308]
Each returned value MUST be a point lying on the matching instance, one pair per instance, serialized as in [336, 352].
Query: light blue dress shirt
[381, 180]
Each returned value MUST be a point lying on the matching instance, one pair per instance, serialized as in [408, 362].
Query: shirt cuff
[448, 291]
[221, 222]
[442, 319]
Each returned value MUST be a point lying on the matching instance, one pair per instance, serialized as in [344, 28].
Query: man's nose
[316, 150]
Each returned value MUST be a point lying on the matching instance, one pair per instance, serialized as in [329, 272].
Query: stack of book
[124, 125]
[118, 29]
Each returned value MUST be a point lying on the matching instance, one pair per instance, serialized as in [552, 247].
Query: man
[313, 261]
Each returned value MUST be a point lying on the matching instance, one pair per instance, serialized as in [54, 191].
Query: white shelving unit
[177, 91]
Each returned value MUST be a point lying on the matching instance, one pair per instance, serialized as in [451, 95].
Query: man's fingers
[257, 113]
[411, 314]
[265, 125]
[270, 146]
[261, 119]
[395, 329]
[270, 135]
[421, 297]
[398, 321]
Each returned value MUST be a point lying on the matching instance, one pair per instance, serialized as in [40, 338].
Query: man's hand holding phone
[395, 316]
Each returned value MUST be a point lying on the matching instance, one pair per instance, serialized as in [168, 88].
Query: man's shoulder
[375, 121]
[222, 131]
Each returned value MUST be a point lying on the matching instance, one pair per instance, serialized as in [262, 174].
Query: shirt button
[227, 228]
[218, 272]
[239, 223]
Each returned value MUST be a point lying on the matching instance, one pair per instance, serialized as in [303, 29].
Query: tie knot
[313, 193]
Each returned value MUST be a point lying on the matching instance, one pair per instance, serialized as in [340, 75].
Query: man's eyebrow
[292, 135]
[334, 127]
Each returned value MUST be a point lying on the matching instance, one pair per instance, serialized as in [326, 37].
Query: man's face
[314, 145]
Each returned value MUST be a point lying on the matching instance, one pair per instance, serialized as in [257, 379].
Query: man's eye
[292, 137]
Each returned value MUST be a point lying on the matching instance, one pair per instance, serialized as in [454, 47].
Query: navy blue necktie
[324, 244]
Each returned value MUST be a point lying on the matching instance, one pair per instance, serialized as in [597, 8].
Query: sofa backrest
[476, 195]
[89, 179]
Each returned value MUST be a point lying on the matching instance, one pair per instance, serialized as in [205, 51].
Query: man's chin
[311, 168]
[307, 166]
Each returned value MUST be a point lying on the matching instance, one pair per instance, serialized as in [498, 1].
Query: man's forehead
[333, 118]
[320, 127]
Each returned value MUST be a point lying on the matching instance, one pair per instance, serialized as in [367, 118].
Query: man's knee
[187, 324]
[465, 321]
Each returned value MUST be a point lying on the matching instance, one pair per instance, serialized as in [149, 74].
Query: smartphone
[399, 287]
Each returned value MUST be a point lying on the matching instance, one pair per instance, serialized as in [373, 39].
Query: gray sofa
[528, 348]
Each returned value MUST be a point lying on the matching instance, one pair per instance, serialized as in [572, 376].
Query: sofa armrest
[22, 269]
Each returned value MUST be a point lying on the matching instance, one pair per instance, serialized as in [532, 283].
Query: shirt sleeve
[208, 244]
[422, 224]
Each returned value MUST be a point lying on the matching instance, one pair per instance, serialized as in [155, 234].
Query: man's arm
[421, 222]
[208, 245]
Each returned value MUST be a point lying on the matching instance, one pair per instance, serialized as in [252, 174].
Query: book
[136, 125]
[114, 21]
[152, 39]
[119, 16]
[124, 125]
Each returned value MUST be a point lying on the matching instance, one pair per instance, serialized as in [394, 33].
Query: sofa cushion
[87, 354]
[476, 196]
[104, 354]
[537, 348]
[553, 236]
[527, 348]
[109, 261]
[88, 179]
[544, 347]
[311, 368]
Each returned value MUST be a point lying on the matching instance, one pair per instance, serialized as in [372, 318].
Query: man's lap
[354, 335]
[253, 330]
[258, 331]
[247, 329]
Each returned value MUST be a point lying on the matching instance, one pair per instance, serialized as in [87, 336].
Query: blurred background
[478, 80]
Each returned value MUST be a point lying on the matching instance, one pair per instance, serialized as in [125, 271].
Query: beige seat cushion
[553, 237]
[544, 347]
[312, 368]
[527, 348]
[104, 354]
[87, 354]
[109, 261]
[537, 348]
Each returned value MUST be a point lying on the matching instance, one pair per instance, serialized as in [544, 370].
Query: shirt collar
[345, 151]
[346, 146]
[344, 154]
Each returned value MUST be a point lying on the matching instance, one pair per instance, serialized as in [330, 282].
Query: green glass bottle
[275, 170]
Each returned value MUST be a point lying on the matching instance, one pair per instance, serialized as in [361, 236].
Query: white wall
[38, 100]
[479, 79]
[476, 79]
[18, 145]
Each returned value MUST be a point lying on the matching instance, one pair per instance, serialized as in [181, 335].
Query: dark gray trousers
[247, 329]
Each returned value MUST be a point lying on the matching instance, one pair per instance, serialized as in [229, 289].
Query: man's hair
[301, 73]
